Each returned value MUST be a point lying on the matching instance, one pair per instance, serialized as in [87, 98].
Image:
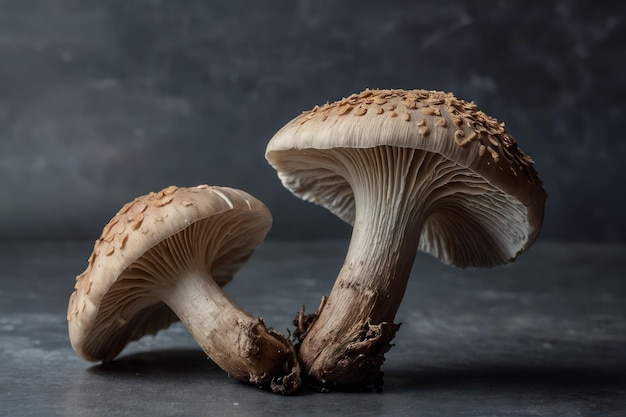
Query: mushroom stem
[346, 343]
[348, 339]
[237, 342]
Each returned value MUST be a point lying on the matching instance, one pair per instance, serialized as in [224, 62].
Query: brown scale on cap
[360, 111]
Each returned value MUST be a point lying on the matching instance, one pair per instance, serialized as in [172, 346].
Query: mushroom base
[272, 359]
[355, 368]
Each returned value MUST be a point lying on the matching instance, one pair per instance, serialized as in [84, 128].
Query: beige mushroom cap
[502, 206]
[111, 305]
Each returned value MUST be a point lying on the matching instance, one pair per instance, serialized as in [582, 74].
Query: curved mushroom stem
[237, 342]
[188, 276]
[345, 344]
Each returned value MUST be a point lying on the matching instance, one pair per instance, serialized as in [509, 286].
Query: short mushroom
[164, 257]
[410, 170]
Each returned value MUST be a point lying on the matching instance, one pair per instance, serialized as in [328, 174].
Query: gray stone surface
[543, 336]
[103, 101]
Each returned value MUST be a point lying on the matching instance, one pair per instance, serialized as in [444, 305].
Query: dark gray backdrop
[101, 101]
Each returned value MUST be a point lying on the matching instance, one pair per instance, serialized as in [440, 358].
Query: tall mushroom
[165, 257]
[410, 170]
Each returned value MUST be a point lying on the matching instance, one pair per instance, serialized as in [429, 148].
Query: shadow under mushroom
[162, 363]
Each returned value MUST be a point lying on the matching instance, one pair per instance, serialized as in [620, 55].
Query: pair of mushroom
[410, 170]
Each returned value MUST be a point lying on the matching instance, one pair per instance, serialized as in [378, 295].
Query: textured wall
[103, 100]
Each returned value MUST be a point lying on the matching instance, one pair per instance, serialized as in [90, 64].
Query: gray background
[101, 101]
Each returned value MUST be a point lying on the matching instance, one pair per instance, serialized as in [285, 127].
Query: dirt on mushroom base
[359, 365]
[262, 342]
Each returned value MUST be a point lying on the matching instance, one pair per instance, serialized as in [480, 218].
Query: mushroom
[164, 257]
[410, 170]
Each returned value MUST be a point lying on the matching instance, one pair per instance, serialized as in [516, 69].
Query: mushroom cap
[111, 306]
[433, 122]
